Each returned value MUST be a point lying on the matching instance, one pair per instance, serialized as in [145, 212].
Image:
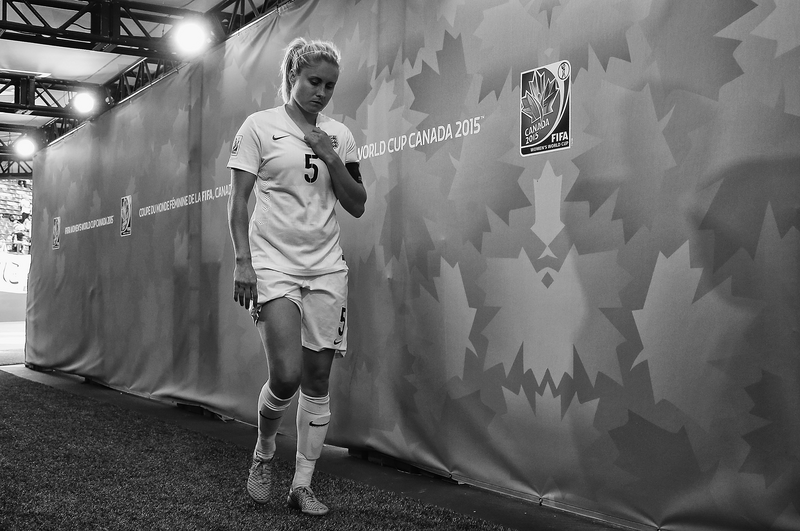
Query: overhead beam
[15, 169]
[7, 153]
[233, 15]
[43, 135]
[138, 76]
[84, 41]
[16, 128]
[121, 26]
[44, 96]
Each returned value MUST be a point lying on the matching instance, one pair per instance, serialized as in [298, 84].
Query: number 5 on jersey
[310, 165]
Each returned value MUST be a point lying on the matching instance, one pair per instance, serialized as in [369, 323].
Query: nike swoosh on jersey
[337, 341]
[278, 137]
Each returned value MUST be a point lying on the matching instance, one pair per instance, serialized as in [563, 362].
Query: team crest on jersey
[334, 142]
[236, 143]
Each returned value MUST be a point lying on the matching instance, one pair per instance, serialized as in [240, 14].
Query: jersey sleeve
[350, 148]
[246, 148]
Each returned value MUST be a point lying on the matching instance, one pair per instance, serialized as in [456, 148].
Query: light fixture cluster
[190, 37]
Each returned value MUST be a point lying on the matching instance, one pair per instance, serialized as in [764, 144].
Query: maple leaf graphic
[518, 434]
[780, 26]
[682, 338]
[686, 46]
[487, 178]
[737, 211]
[775, 392]
[596, 28]
[441, 95]
[773, 451]
[550, 322]
[442, 324]
[631, 160]
[356, 87]
[662, 461]
[540, 96]
[508, 31]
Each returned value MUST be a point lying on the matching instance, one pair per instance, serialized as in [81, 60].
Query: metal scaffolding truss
[137, 77]
[43, 96]
[124, 27]
[120, 26]
[46, 97]
[15, 169]
[233, 15]
[229, 17]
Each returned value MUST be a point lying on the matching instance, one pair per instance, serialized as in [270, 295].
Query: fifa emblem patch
[545, 103]
[57, 233]
[125, 216]
[236, 143]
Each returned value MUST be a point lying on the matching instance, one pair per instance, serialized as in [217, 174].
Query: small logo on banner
[236, 143]
[545, 103]
[125, 216]
[56, 233]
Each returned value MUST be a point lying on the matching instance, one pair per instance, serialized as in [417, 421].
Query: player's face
[313, 86]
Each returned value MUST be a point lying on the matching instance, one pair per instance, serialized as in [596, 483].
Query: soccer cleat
[259, 482]
[303, 498]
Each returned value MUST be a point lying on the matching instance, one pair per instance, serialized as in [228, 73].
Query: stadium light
[25, 147]
[192, 37]
[84, 102]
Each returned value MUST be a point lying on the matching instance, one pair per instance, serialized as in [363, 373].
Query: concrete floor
[375, 470]
[12, 342]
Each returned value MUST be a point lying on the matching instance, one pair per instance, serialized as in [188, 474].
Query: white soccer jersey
[293, 228]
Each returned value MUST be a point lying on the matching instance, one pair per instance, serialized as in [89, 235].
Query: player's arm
[244, 276]
[347, 186]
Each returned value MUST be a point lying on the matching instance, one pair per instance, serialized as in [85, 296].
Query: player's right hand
[245, 285]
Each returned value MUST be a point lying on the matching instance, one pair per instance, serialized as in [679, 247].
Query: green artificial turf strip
[71, 462]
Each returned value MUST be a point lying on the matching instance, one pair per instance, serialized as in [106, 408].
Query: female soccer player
[290, 271]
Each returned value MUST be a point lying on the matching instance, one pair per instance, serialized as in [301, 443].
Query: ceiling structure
[50, 50]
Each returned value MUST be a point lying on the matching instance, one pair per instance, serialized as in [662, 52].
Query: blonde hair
[302, 53]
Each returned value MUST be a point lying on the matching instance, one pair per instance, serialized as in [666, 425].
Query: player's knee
[285, 385]
[315, 383]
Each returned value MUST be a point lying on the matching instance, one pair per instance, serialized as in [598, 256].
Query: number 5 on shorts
[343, 320]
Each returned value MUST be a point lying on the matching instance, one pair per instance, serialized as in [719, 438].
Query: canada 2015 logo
[545, 102]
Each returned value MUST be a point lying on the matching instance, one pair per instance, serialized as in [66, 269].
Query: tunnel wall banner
[576, 280]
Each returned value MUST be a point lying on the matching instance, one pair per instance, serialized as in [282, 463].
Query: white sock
[313, 417]
[270, 413]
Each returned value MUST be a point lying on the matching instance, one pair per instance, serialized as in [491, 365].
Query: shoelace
[261, 468]
[306, 495]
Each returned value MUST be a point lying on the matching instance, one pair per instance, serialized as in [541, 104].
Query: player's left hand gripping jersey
[293, 228]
